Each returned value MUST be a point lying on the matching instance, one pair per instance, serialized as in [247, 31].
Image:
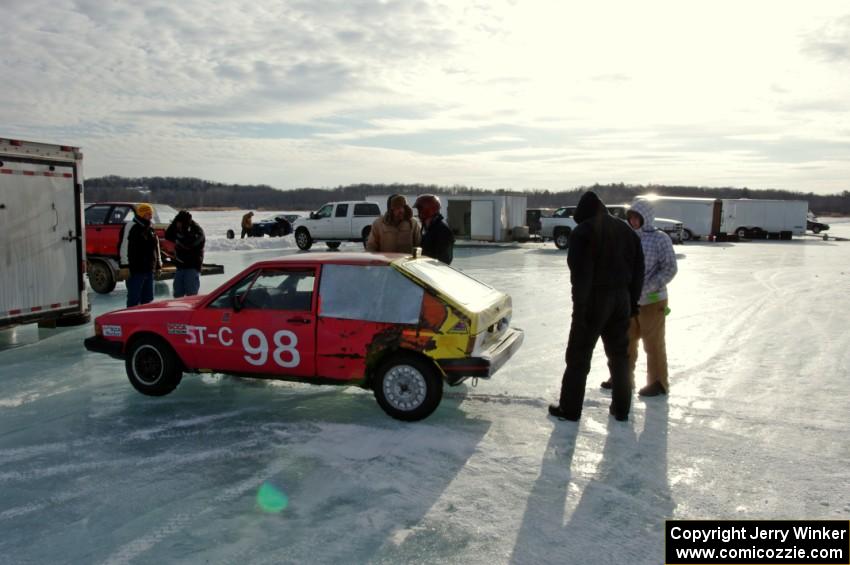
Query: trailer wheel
[303, 239]
[741, 233]
[562, 238]
[408, 388]
[152, 366]
[101, 279]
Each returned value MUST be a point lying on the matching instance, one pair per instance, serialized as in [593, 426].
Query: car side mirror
[312, 215]
[236, 302]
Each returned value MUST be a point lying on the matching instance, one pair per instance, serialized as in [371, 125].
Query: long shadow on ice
[620, 515]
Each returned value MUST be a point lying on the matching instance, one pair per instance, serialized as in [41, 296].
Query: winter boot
[653, 389]
[607, 385]
[618, 416]
[561, 414]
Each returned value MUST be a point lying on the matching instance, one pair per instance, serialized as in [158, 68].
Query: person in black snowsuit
[189, 241]
[437, 238]
[139, 252]
[606, 271]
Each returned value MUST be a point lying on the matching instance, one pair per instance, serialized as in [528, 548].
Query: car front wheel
[152, 367]
[303, 239]
[408, 388]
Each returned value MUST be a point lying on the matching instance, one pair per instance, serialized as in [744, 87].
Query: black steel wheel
[152, 366]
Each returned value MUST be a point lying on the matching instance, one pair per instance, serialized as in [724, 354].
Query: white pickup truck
[336, 222]
[559, 226]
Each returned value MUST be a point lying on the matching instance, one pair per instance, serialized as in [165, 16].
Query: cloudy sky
[515, 94]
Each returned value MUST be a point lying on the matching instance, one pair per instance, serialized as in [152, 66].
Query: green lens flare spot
[271, 499]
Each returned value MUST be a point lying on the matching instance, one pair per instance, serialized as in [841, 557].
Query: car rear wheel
[332, 244]
[742, 233]
[562, 238]
[687, 235]
[408, 388]
[100, 277]
[152, 367]
[303, 239]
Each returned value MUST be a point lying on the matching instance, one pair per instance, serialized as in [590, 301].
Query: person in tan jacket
[397, 231]
[247, 223]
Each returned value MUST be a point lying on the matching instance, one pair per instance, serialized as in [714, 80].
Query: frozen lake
[226, 470]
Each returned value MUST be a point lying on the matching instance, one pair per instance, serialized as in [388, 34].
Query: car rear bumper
[99, 344]
[488, 363]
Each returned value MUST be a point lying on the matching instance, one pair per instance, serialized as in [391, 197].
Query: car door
[321, 222]
[265, 323]
[341, 222]
[96, 238]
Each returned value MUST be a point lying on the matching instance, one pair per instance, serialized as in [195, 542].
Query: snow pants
[607, 317]
[649, 326]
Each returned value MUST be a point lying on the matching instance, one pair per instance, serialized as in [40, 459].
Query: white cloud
[538, 93]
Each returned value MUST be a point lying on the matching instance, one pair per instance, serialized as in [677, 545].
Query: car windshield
[458, 286]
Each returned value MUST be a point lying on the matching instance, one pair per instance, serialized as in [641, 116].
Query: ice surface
[226, 470]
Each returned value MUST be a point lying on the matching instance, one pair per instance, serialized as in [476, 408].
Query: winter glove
[653, 297]
[123, 274]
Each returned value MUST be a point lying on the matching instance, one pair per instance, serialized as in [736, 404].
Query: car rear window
[370, 293]
[458, 286]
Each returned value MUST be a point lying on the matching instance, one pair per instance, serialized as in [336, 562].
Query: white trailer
[42, 237]
[700, 217]
[764, 219]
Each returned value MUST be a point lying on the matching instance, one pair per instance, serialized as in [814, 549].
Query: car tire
[101, 279]
[562, 238]
[303, 239]
[687, 235]
[742, 233]
[231, 234]
[152, 366]
[816, 229]
[365, 235]
[407, 388]
[332, 244]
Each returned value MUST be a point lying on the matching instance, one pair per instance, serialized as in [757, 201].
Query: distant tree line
[196, 193]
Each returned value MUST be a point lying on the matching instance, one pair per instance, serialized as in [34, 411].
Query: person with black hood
[139, 252]
[189, 241]
[606, 271]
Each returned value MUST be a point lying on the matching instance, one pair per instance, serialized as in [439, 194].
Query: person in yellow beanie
[140, 254]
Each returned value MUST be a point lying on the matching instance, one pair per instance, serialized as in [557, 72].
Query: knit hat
[144, 208]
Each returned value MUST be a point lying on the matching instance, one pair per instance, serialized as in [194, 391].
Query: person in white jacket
[649, 324]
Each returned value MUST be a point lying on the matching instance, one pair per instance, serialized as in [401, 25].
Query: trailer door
[482, 220]
[41, 255]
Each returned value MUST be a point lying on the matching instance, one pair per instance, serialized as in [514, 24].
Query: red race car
[396, 324]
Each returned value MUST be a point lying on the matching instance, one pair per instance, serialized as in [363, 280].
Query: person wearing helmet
[437, 238]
